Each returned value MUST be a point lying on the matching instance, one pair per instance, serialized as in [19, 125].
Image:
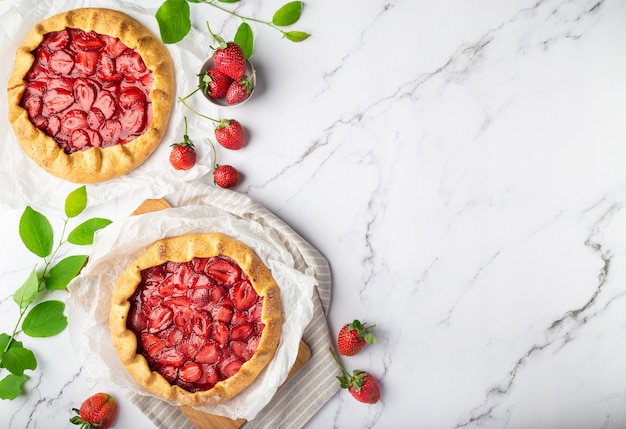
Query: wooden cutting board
[198, 418]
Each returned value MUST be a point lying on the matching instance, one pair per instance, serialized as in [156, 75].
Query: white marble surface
[462, 165]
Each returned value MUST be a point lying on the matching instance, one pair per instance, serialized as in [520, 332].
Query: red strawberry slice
[42, 56]
[152, 344]
[113, 47]
[40, 122]
[36, 89]
[79, 140]
[241, 332]
[106, 70]
[208, 353]
[159, 319]
[171, 357]
[111, 130]
[86, 62]
[223, 271]
[95, 118]
[239, 317]
[134, 120]
[240, 349]
[256, 311]
[105, 101]
[53, 126]
[222, 313]
[33, 105]
[131, 97]
[56, 40]
[189, 346]
[131, 65]
[61, 63]
[200, 323]
[200, 295]
[210, 377]
[82, 41]
[85, 94]
[190, 372]
[170, 373]
[220, 333]
[94, 137]
[217, 293]
[57, 100]
[243, 295]
[230, 367]
[61, 83]
[73, 120]
[182, 319]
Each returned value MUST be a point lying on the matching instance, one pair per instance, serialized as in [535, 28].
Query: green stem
[345, 371]
[190, 94]
[214, 154]
[19, 320]
[196, 112]
[243, 18]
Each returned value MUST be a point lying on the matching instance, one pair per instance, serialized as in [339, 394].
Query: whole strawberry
[230, 134]
[230, 60]
[98, 411]
[239, 90]
[353, 337]
[226, 176]
[183, 154]
[361, 385]
[214, 83]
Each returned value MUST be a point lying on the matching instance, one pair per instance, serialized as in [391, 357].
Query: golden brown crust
[183, 249]
[94, 164]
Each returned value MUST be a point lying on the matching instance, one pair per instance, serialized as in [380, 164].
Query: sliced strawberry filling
[196, 322]
[92, 85]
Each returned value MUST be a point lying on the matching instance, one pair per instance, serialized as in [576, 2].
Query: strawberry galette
[196, 318]
[90, 94]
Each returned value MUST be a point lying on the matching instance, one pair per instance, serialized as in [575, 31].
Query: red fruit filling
[87, 90]
[196, 322]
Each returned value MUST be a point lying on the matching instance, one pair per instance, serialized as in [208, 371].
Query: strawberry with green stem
[224, 176]
[239, 90]
[361, 385]
[97, 411]
[354, 336]
[228, 57]
[183, 155]
[228, 132]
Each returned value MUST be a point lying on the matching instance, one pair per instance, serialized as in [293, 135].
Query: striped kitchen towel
[302, 395]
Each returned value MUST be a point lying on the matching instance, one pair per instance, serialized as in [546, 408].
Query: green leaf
[64, 271]
[228, 1]
[174, 19]
[83, 233]
[46, 319]
[76, 202]
[4, 341]
[36, 232]
[245, 39]
[27, 293]
[296, 36]
[19, 359]
[11, 386]
[287, 14]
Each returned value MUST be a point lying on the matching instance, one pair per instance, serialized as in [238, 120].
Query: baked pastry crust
[184, 249]
[94, 164]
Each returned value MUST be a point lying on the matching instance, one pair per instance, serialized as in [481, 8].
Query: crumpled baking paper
[120, 243]
[24, 182]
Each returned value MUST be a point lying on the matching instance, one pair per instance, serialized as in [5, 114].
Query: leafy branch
[46, 318]
[174, 20]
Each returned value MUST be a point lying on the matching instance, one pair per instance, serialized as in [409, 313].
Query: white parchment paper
[120, 243]
[24, 182]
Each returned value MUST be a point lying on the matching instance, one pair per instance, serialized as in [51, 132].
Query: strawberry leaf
[228, 1]
[11, 386]
[174, 19]
[64, 271]
[76, 202]
[36, 232]
[19, 359]
[46, 319]
[27, 293]
[245, 39]
[83, 233]
[296, 36]
[287, 14]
